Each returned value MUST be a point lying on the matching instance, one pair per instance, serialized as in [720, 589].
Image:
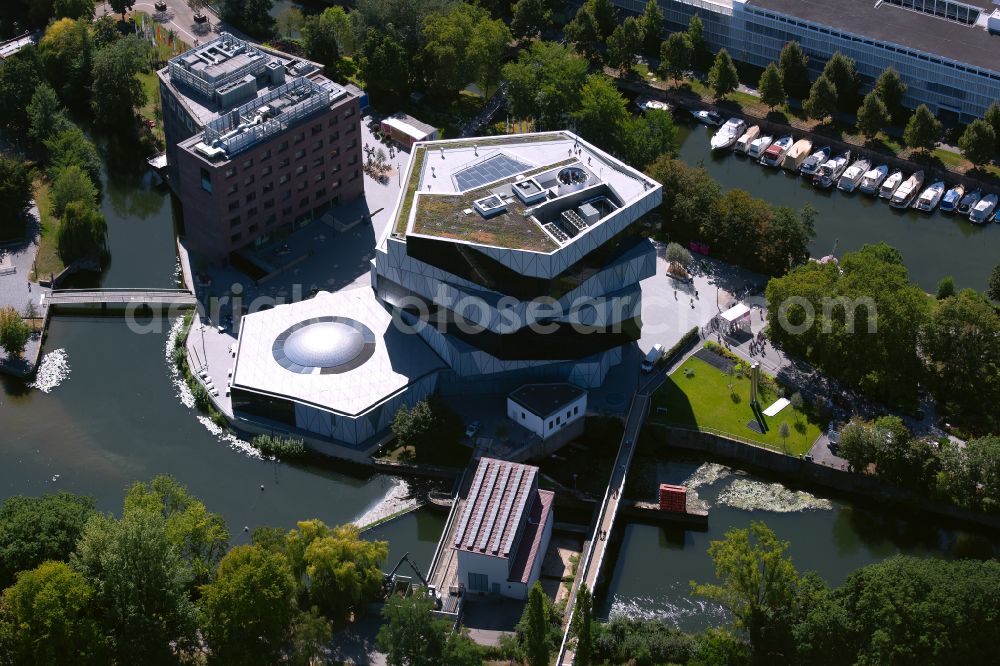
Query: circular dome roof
[325, 344]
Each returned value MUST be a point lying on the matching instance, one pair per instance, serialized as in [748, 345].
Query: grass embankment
[47, 261]
[446, 453]
[697, 395]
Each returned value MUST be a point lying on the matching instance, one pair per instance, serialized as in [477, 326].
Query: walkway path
[179, 15]
[121, 297]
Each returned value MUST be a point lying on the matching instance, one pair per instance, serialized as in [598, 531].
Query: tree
[51, 618]
[201, 537]
[873, 116]
[15, 195]
[14, 332]
[624, 45]
[723, 77]
[140, 583]
[651, 24]
[602, 112]
[696, 34]
[384, 64]
[794, 66]
[675, 56]
[117, 88]
[320, 32]
[20, 76]
[253, 16]
[992, 117]
[923, 129]
[891, 90]
[822, 100]
[856, 445]
[486, 51]
[410, 636]
[758, 585]
[583, 626]
[289, 21]
[993, 289]
[842, 74]
[72, 184]
[772, 91]
[946, 288]
[591, 28]
[105, 31]
[121, 6]
[678, 254]
[535, 627]
[36, 529]
[784, 432]
[65, 52]
[71, 147]
[642, 139]
[833, 316]
[337, 568]
[311, 632]
[624, 640]
[689, 194]
[978, 142]
[82, 233]
[246, 610]
[73, 9]
[529, 18]
[544, 83]
[961, 345]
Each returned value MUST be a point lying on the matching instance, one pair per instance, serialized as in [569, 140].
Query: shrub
[286, 447]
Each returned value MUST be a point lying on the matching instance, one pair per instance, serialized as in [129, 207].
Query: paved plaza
[18, 290]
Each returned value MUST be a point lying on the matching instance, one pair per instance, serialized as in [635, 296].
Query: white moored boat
[929, 198]
[983, 210]
[796, 155]
[951, 198]
[728, 134]
[776, 151]
[743, 144]
[758, 146]
[831, 170]
[907, 192]
[890, 184]
[812, 163]
[872, 180]
[852, 176]
[707, 117]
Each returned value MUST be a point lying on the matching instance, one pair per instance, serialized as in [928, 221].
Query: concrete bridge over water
[106, 297]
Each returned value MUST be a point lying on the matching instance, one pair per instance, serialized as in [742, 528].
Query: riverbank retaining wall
[810, 475]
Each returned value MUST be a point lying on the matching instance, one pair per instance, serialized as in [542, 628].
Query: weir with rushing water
[105, 412]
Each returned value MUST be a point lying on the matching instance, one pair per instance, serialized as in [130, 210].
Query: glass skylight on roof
[489, 170]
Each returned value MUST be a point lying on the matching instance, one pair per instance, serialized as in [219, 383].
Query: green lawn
[703, 400]
[47, 262]
[445, 453]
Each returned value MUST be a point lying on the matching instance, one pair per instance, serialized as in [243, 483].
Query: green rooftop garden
[418, 161]
[698, 395]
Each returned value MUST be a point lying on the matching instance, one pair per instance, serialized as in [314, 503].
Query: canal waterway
[933, 245]
[655, 565]
[114, 416]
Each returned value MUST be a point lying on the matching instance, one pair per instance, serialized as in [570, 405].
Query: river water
[933, 245]
[113, 416]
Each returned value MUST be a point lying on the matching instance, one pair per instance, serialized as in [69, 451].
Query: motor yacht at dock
[831, 170]
[890, 184]
[758, 146]
[872, 180]
[776, 151]
[907, 192]
[853, 175]
[949, 203]
[728, 134]
[966, 203]
[983, 210]
[743, 144]
[812, 163]
[930, 197]
[796, 155]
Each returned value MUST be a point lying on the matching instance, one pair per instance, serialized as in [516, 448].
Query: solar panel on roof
[489, 170]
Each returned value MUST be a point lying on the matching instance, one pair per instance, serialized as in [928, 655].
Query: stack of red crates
[673, 498]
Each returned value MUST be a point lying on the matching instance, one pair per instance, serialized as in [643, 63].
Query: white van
[652, 357]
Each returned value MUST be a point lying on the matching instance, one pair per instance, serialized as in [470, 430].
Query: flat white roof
[399, 358]
[736, 312]
[403, 126]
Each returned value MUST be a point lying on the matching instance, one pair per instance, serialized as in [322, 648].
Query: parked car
[472, 430]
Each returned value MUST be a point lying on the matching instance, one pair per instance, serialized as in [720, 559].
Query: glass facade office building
[942, 49]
